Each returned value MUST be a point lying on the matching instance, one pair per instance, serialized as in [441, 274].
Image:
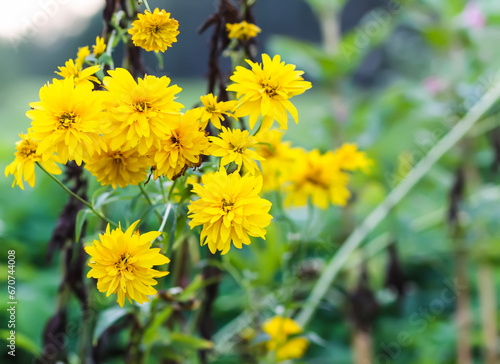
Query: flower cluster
[123, 128]
[303, 175]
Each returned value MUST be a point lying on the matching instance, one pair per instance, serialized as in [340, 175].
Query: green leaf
[151, 333]
[190, 341]
[97, 193]
[80, 220]
[107, 318]
[102, 198]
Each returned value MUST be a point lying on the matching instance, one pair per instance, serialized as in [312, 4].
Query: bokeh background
[391, 76]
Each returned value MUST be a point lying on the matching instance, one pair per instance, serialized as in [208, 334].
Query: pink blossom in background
[434, 85]
[473, 16]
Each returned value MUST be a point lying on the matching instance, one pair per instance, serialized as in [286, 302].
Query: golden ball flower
[122, 263]
[68, 120]
[181, 147]
[141, 113]
[265, 90]
[154, 31]
[229, 209]
[119, 167]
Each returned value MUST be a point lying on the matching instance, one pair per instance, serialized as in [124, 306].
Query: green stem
[382, 210]
[86, 203]
[162, 190]
[164, 221]
[148, 199]
[169, 197]
[147, 6]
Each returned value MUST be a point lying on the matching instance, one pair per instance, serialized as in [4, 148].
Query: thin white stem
[164, 221]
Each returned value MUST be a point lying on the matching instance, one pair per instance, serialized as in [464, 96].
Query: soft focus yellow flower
[230, 209]
[317, 177]
[181, 148]
[243, 30]
[266, 89]
[279, 329]
[119, 167]
[233, 146]
[68, 120]
[122, 263]
[74, 70]
[99, 47]
[215, 111]
[278, 156]
[348, 158]
[154, 31]
[82, 54]
[24, 163]
[141, 113]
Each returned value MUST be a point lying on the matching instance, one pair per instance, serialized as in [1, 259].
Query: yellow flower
[154, 31]
[266, 89]
[233, 146]
[81, 56]
[68, 120]
[279, 329]
[99, 47]
[348, 158]
[119, 167]
[141, 113]
[215, 111]
[279, 159]
[181, 148]
[79, 75]
[122, 263]
[317, 177]
[24, 163]
[230, 209]
[242, 30]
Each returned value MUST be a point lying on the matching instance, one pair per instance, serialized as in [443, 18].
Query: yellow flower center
[269, 89]
[227, 205]
[155, 29]
[123, 264]
[175, 140]
[314, 179]
[27, 149]
[140, 106]
[210, 108]
[66, 119]
[117, 158]
[236, 149]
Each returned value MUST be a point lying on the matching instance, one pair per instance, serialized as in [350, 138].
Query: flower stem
[396, 195]
[86, 203]
[148, 198]
[147, 5]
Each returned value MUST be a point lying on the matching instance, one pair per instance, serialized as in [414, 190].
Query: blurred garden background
[394, 77]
